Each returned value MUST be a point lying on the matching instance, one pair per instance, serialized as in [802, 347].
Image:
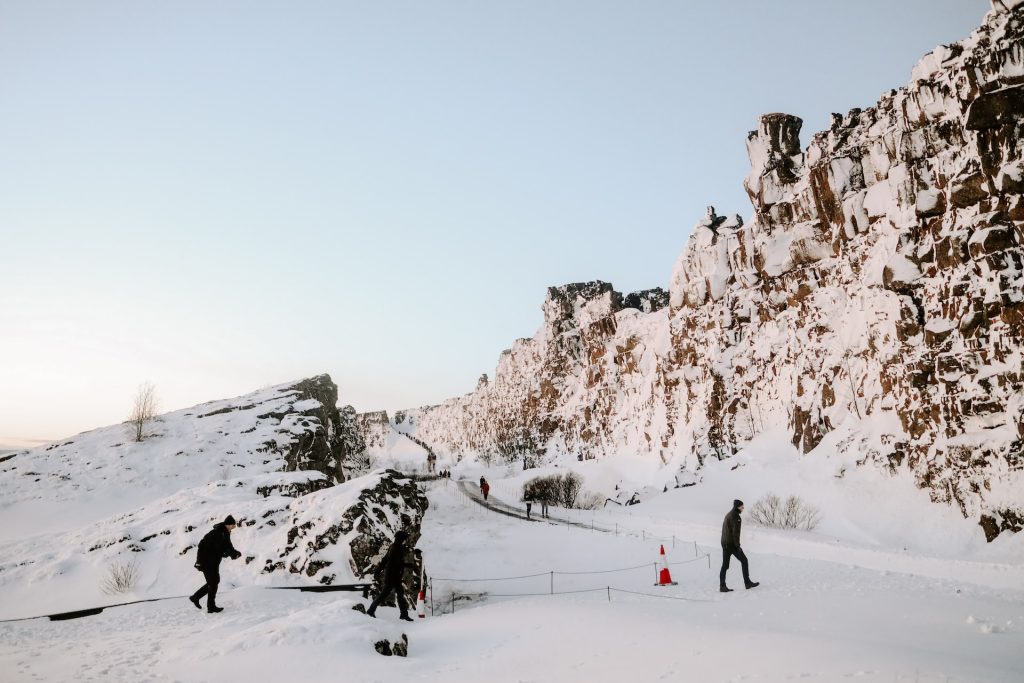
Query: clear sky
[218, 196]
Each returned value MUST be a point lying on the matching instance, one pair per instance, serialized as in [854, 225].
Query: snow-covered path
[810, 620]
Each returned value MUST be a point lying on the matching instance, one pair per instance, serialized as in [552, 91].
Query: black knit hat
[229, 520]
[737, 503]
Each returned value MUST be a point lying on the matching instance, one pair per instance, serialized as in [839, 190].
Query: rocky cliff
[873, 304]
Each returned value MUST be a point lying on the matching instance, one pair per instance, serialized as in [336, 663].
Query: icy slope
[877, 293]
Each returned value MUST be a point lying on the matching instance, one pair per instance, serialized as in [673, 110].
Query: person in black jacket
[215, 546]
[392, 567]
[731, 546]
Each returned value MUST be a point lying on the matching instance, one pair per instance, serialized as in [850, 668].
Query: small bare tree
[143, 409]
[121, 577]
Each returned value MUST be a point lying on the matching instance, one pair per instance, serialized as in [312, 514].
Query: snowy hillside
[554, 602]
[876, 297]
[275, 459]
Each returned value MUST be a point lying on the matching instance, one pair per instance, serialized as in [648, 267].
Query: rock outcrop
[359, 523]
[875, 299]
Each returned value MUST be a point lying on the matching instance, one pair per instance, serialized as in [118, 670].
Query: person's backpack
[202, 552]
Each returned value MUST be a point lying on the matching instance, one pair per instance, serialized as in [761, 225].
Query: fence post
[643, 533]
[609, 593]
[431, 596]
[673, 541]
[709, 560]
[616, 528]
[453, 602]
[552, 583]
[695, 553]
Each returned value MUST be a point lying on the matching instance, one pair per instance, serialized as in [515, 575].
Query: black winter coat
[731, 529]
[393, 564]
[215, 546]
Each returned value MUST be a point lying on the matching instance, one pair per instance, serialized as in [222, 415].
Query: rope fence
[608, 590]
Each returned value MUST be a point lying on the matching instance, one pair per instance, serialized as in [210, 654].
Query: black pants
[212, 577]
[727, 552]
[403, 606]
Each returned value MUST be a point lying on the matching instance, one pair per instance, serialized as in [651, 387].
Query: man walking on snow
[393, 565]
[215, 546]
[731, 546]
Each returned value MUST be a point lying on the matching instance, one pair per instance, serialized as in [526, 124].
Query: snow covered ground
[827, 610]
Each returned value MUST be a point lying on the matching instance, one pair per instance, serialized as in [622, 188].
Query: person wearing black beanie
[215, 546]
[731, 547]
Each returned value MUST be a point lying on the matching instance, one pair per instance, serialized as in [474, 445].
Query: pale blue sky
[217, 196]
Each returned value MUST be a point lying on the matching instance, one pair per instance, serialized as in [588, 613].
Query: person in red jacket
[485, 488]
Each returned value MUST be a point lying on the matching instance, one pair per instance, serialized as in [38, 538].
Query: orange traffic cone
[421, 605]
[664, 575]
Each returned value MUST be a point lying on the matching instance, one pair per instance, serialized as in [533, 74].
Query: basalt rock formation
[874, 304]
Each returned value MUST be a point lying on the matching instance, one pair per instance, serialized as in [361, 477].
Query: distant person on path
[544, 506]
[392, 566]
[731, 546]
[215, 546]
[485, 488]
[529, 506]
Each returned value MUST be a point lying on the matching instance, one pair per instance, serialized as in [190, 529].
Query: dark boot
[213, 609]
[194, 599]
[752, 584]
[724, 589]
[405, 617]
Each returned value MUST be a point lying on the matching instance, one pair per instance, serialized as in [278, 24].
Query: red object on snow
[664, 576]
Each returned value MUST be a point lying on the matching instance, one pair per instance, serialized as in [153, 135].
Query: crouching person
[215, 546]
[390, 570]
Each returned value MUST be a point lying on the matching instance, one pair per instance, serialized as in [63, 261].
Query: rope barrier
[646, 565]
[661, 597]
[528, 595]
[92, 611]
[603, 589]
[503, 578]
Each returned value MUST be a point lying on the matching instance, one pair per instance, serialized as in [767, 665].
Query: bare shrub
[590, 501]
[121, 577]
[143, 410]
[564, 490]
[791, 513]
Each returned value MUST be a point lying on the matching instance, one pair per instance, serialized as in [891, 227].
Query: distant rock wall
[876, 296]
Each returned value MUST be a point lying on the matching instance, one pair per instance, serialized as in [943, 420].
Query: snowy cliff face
[576, 387]
[873, 305]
